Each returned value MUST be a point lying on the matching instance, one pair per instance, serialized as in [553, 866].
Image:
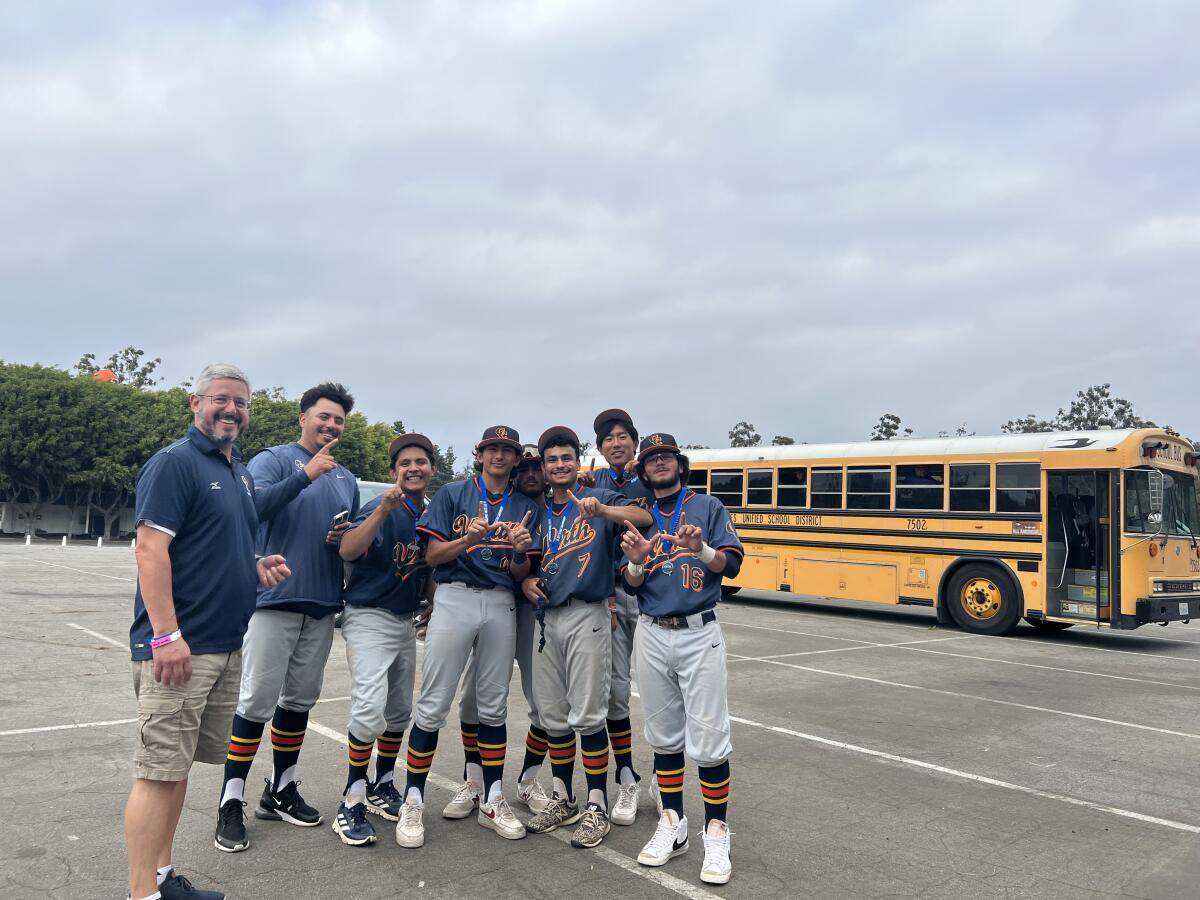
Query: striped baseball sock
[535, 752]
[562, 762]
[360, 756]
[387, 749]
[472, 767]
[493, 742]
[421, 745]
[668, 768]
[595, 766]
[287, 737]
[244, 738]
[620, 736]
[714, 783]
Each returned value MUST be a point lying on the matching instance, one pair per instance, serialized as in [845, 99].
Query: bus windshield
[1180, 512]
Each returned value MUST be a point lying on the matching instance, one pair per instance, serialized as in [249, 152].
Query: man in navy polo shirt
[196, 582]
[302, 489]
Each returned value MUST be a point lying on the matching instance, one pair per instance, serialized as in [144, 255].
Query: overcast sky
[804, 214]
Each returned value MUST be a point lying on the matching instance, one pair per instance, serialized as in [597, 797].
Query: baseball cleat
[465, 801]
[559, 811]
[230, 836]
[286, 806]
[670, 840]
[351, 825]
[592, 828]
[533, 795]
[624, 811]
[410, 830]
[384, 800]
[717, 867]
[499, 817]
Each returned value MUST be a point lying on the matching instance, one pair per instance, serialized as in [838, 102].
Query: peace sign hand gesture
[321, 461]
[519, 536]
[688, 537]
[636, 548]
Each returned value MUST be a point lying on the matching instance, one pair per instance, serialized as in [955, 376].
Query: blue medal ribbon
[554, 542]
[618, 477]
[483, 498]
[412, 507]
[674, 516]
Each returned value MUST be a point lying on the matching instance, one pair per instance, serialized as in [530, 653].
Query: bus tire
[728, 590]
[1043, 625]
[983, 600]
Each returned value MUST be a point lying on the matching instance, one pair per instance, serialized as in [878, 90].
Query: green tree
[782, 440]
[888, 427]
[1093, 407]
[126, 365]
[744, 435]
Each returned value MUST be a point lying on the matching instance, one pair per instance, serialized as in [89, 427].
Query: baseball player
[382, 595]
[479, 540]
[305, 500]
[529, 480]
[616, 438]
[571, 676]
[675, 569]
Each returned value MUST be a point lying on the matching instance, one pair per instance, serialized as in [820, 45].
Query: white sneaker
[624, 811]
[499, 817]
[656, 795]
[532, 795]
[717, 867]
[410, 830]
[670, 840]
[465, 801]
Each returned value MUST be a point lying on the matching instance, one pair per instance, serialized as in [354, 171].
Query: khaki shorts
[186, 723]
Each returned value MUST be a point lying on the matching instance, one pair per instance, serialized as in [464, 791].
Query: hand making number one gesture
[589, 507]
[322, 461]
[636, 548]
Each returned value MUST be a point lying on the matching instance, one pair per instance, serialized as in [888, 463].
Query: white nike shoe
[499, 817]
[656, 795]
[410, 830]
[465, 802]
[532, 795]
[670, 840]
[624, 811]
[717, 867]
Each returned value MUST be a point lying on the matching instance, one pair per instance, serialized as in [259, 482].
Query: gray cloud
[801, 214]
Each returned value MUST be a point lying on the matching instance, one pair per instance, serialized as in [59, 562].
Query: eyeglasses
[222, 400]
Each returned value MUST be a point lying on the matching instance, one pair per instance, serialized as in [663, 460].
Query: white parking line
[657, 876]
[978, 699]
[66, 727]
[737, 658]
[42, 562]
[98, 636]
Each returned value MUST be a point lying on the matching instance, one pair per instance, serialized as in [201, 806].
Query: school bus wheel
[983, 600]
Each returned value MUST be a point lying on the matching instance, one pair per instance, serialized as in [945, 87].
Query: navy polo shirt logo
[214, 485]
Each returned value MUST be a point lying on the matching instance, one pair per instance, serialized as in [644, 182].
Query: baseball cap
[653, 443]
[606, 420]
[557, 431]
[410, 439]
[529, 454]
[500, 434]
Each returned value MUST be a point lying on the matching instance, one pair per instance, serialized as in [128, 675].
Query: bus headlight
[1158, 587]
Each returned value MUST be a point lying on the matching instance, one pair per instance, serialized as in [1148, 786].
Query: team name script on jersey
[409, 559]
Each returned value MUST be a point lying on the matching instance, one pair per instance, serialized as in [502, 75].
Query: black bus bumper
[1178, 608]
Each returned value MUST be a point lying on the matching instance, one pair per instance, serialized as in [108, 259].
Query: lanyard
[416, 513]
[562, 525]
[618, 477]
[483, 498]
[674, 516]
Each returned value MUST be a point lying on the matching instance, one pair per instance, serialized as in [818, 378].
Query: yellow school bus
[1096, 527]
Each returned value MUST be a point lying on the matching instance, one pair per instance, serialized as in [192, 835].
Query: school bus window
[726, 486]
[793, 487]
[868, 488]
[1018, 488]
[970, 487]
[698, 480]
[760, 487]
[920, 486]
[827, 488]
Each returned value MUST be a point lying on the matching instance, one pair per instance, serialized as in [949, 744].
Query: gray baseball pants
[571, 675]
[527, 635]
[283, 662]
[622, 655]
[381, 652]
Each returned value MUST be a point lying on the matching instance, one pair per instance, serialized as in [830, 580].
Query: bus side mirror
[1156, 498]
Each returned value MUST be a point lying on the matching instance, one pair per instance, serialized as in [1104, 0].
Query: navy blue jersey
[296, 527]
[392, 573]
[581, 565]
[207, 503]
[676, 582]
[488, 563]
[631, 486]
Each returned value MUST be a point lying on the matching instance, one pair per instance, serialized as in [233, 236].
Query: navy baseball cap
[606, 420]
[660, 440]
[557, 431]
[410, 439]
[500, 434]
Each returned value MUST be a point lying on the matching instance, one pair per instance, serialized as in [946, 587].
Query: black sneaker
[352, 826]
[286, 806]
[177, 887]
[384, 800]
[231, 828]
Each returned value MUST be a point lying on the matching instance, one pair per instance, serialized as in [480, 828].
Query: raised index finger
[482, 511]
[633, 529]
[328, 447]
[525, 521]
[574, 499]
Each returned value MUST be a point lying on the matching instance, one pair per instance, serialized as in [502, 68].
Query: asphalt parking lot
[876, 755]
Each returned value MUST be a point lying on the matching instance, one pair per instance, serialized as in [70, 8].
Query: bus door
[1079, 558]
